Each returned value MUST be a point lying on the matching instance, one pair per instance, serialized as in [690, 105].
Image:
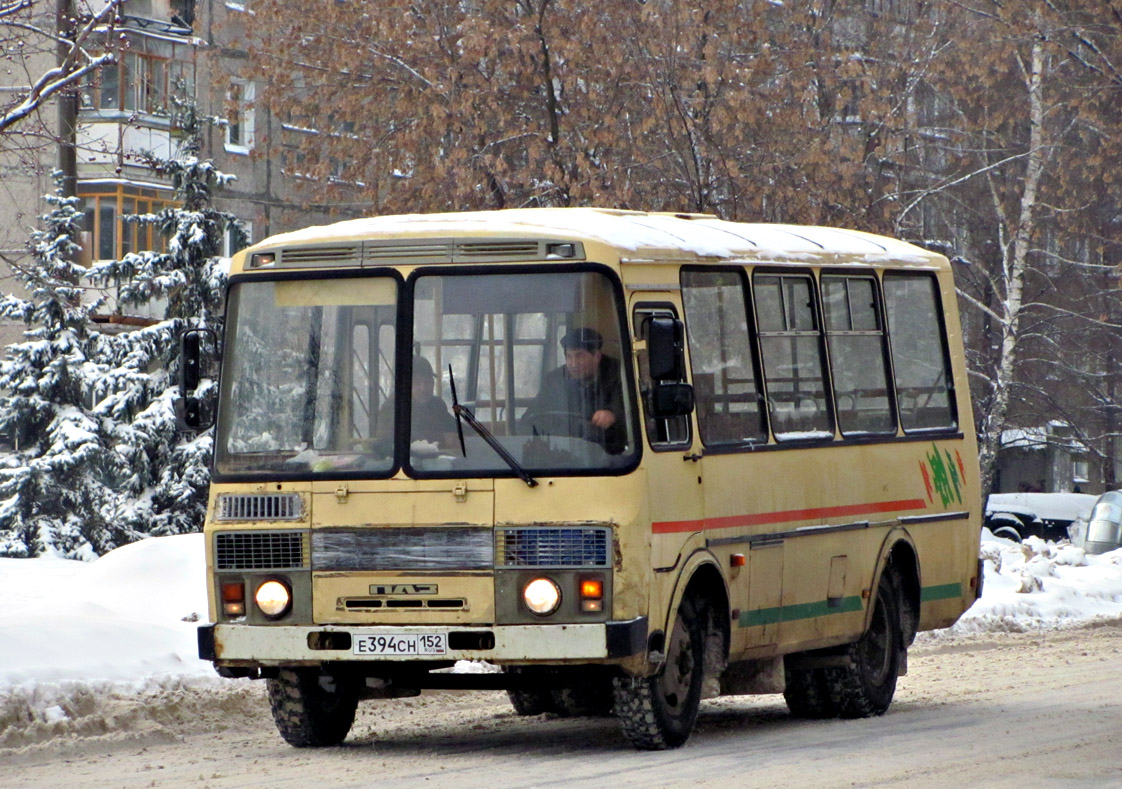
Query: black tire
[583, 701]
[865, 687]
[659, 712]
[530, 702]
[311, 709]
[1007, 532]
[807, 694]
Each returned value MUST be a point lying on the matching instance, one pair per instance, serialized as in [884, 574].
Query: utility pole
[67, 103]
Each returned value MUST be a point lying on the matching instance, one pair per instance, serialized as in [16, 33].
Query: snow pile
[1040, 585]
[127, 616]
[108, 647]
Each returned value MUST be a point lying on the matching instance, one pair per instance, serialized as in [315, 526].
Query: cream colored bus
[630, 460]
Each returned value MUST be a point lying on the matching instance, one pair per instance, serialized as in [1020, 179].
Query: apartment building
[169, 52]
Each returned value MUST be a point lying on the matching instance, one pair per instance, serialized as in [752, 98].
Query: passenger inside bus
[432, 425]
[582, 398]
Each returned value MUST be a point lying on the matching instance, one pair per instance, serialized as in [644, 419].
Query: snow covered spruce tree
[58, 490]
[165, 491]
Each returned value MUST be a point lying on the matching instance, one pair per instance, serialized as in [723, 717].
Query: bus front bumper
[283, 645]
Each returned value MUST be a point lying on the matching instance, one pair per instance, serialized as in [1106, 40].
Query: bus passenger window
[919, 352]
[858, 358]
[722, 358]
[794, 368]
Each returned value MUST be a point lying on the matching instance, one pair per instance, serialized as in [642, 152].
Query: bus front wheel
[659, 712]
[865, 686]
[312, 710]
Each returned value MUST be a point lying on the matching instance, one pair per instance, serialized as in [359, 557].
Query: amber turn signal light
[591, 595]
[233, 598]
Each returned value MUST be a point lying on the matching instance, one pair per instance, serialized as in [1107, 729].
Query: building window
[234, 241]
[108, 232]
[239, 128]
[1081, 471]
[144, 78]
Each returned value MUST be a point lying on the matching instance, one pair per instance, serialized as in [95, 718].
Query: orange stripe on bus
[763, 518]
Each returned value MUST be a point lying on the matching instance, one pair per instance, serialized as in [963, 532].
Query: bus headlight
[542, 596]
[273, 598]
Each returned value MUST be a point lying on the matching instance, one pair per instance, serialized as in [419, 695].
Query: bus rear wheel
[865, 686]
[312, 709]
[659, 712]
[593, 700]
[530, 702]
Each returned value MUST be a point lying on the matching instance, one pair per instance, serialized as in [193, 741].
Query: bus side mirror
[668, 400]
[666, 349]
[192, 412]
[190, 361]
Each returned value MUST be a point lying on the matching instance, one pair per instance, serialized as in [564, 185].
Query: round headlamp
[273, 598]
[542, 596]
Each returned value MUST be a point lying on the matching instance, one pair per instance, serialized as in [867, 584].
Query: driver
[583, 397]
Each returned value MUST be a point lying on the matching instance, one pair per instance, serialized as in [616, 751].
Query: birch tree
[1010, 173]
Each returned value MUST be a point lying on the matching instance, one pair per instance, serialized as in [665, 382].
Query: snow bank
[108, 648]
[1042, 585]
[127, 616]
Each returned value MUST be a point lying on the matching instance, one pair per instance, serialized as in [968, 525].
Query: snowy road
[991, 709]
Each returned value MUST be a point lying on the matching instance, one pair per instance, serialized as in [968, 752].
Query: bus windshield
[311, 384]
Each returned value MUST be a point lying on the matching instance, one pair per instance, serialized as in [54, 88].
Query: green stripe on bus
[944, 592]
[792, 613]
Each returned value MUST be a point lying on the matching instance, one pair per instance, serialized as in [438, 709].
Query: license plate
[401, 645]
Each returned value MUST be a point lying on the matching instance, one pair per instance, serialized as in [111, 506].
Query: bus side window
[794, 363]
[674, 432]
[919, 352]
[858, 354]
[722, 358]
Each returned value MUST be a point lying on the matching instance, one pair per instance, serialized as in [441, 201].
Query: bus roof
[639, 235]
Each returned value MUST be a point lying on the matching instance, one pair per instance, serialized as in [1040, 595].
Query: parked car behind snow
[1103, 531]
[1044, 515]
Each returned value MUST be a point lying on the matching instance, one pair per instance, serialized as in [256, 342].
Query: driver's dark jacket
[562, 394]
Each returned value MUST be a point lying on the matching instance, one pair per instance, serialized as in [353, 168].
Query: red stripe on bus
[762, 518]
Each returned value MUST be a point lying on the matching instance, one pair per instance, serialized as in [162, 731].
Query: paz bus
[630, 460]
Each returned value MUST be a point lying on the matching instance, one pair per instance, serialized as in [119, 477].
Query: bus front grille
[259, 550]
[396, 548]
[259, 507]
[575, 546]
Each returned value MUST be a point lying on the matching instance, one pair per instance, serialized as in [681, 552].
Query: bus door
[737, 488]
[674, 489]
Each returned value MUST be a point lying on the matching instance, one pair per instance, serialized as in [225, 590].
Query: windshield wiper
[462, 412]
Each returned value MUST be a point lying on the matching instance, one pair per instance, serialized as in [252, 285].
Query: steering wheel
[566, 423]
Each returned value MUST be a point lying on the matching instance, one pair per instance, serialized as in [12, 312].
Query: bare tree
[1011, 165]
[27, 30]
[990, 126]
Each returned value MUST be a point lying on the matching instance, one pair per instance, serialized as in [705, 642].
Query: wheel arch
[701, 576]
[899, 556]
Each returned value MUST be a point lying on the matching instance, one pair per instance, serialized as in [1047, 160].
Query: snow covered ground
[126, 622]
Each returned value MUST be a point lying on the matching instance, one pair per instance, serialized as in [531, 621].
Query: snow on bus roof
[700, 234]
